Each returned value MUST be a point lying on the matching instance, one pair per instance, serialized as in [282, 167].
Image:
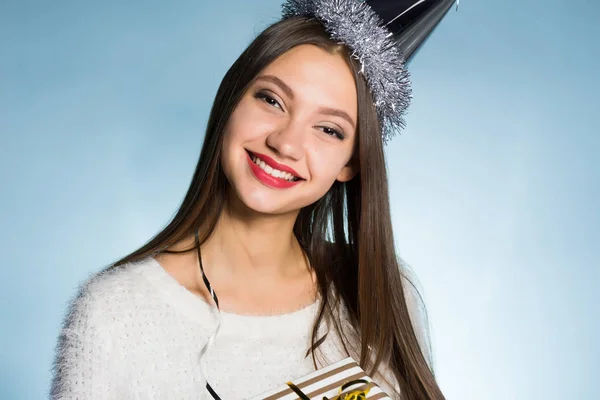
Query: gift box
[343, 380]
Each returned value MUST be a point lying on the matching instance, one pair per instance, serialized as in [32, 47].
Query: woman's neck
[256, 265]
[247, 243]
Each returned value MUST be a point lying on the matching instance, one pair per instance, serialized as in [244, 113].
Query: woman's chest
[248, 359]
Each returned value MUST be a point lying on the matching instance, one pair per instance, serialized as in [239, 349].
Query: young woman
[281, 257]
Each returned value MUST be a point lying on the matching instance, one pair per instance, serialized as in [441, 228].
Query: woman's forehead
[308, 73]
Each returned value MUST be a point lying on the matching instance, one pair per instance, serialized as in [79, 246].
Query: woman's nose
[288, 140]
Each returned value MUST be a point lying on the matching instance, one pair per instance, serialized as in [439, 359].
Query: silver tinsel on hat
[355, 24]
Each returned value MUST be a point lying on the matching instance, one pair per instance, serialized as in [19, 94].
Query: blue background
[495, 182]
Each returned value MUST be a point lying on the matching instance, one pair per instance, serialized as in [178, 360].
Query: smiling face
[299, 116]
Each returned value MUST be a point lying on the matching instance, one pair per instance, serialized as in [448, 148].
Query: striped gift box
[326, 382]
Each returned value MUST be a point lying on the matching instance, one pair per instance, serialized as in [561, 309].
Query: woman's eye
[268, 99]
[333, 132]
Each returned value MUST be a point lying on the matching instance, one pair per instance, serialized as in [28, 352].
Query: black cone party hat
[411, 21]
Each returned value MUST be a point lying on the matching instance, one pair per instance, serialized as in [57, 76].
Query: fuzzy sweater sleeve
[84, 366]
[418, 318]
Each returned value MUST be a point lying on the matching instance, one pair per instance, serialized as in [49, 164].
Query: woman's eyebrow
[337, 113]
[288, 91]
[273, 79]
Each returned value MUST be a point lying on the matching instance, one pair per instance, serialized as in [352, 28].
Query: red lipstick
[269, 180]
[274, 164]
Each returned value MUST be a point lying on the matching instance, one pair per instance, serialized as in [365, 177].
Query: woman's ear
[349, 171]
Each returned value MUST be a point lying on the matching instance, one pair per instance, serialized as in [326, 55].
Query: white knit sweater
[134, 332]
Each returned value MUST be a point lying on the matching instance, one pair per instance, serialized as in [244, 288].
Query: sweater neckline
[197, 308]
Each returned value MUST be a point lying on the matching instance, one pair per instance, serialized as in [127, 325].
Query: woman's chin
[262, 202]
[262, 205]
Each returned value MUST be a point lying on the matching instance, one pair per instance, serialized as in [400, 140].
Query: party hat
[411, 21]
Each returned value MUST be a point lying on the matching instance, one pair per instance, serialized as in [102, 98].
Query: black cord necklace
[216, 300]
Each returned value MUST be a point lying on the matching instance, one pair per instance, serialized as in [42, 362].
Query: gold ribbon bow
[352, 395]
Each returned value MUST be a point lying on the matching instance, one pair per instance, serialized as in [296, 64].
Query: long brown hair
[347, 234]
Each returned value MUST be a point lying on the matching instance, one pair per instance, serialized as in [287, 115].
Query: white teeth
[271, 171]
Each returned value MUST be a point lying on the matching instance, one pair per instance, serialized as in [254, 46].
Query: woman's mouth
[273, 172]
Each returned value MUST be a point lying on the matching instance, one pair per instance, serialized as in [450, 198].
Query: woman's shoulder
[116, 281]
[134, 293]
[108, 292]
[97, 328]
